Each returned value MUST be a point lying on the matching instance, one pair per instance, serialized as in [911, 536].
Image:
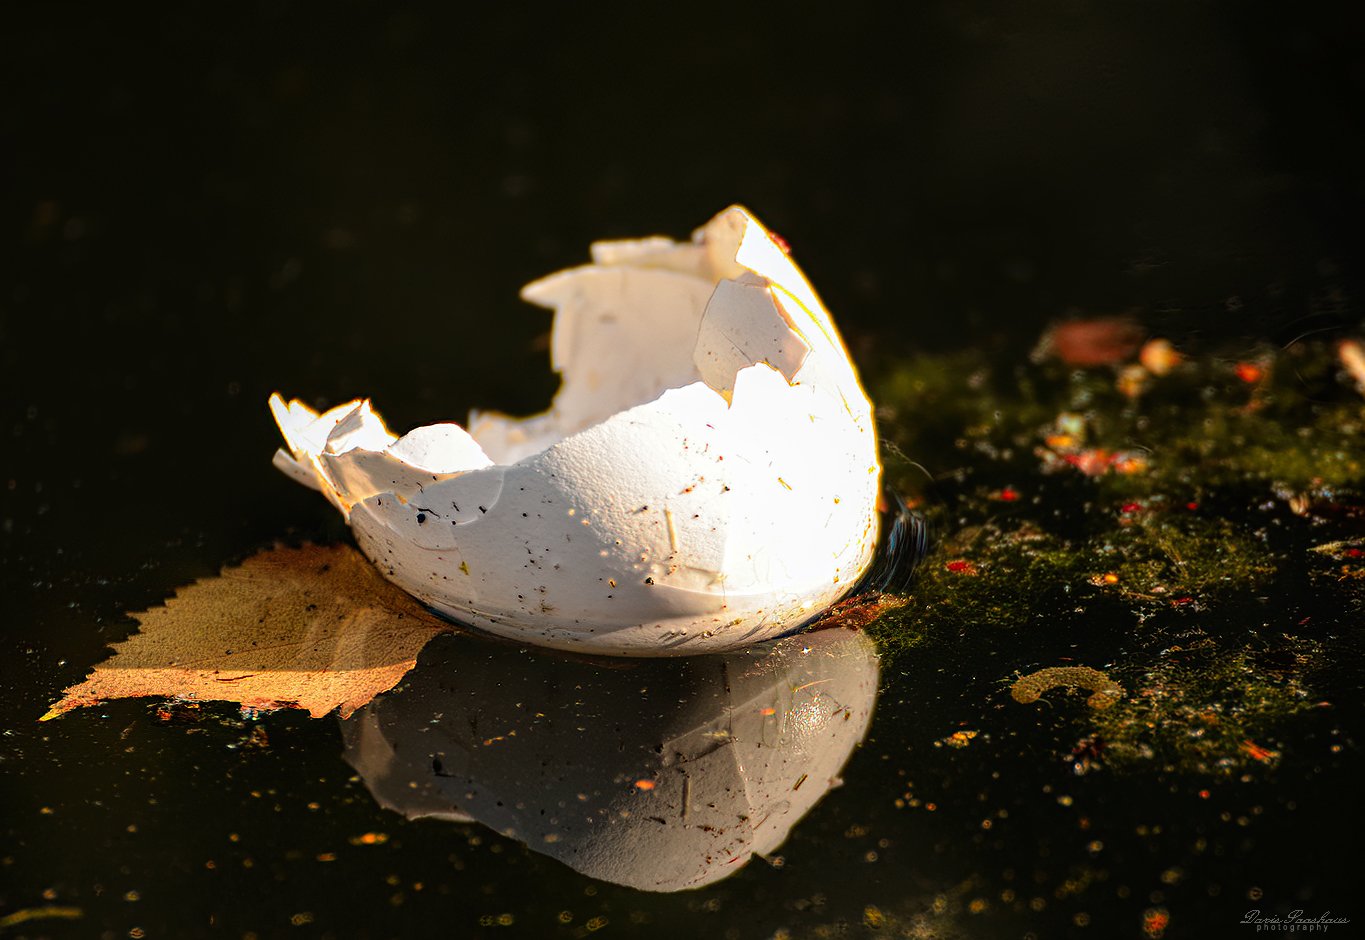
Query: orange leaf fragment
[312, 627]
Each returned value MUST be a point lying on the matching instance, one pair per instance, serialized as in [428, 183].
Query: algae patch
[1174, 555]
[1202, 708]
[1200, 532]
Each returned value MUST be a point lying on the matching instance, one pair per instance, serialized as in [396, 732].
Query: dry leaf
[312, 627]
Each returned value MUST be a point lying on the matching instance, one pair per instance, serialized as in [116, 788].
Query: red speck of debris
[1249, 372]
[1155, 922]
[1203, 794]
[1183, 600]
[1354, 553]
[1009, 494]
[961, 567]
[1191, 506]
[1131, 507]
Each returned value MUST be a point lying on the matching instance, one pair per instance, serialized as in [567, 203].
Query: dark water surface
[203, 207]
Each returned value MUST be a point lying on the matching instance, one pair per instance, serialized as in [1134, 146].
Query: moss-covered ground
[1195, 538]
[1200, 537]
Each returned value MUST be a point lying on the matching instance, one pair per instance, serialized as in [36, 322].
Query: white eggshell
[705, 478]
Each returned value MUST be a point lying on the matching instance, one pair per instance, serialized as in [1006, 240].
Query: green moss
[1202, 708]
[983, 577]
[1298, 429]
[1175, 556]
[1118, 527]
[1306, 449]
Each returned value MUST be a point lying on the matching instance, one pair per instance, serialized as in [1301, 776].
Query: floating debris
[1093, 342]
[40, 913]
[1159, 357]
[1351, 352]
[1031, 687]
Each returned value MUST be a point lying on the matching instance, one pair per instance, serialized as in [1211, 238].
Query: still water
[209, 209]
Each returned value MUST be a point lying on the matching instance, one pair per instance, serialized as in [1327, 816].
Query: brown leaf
[312, 627]
[1096, 342]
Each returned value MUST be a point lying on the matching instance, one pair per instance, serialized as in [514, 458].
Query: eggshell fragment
[705, 478]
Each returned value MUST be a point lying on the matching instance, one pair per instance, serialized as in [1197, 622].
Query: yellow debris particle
[1030, 688]
[38, 913]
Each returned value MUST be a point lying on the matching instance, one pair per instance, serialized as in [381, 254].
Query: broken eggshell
[705, 478]
[663, 775]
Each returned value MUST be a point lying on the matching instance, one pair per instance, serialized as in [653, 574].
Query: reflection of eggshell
[705, 478]
[665, 775]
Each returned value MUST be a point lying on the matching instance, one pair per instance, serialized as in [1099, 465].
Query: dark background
[203, 204]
